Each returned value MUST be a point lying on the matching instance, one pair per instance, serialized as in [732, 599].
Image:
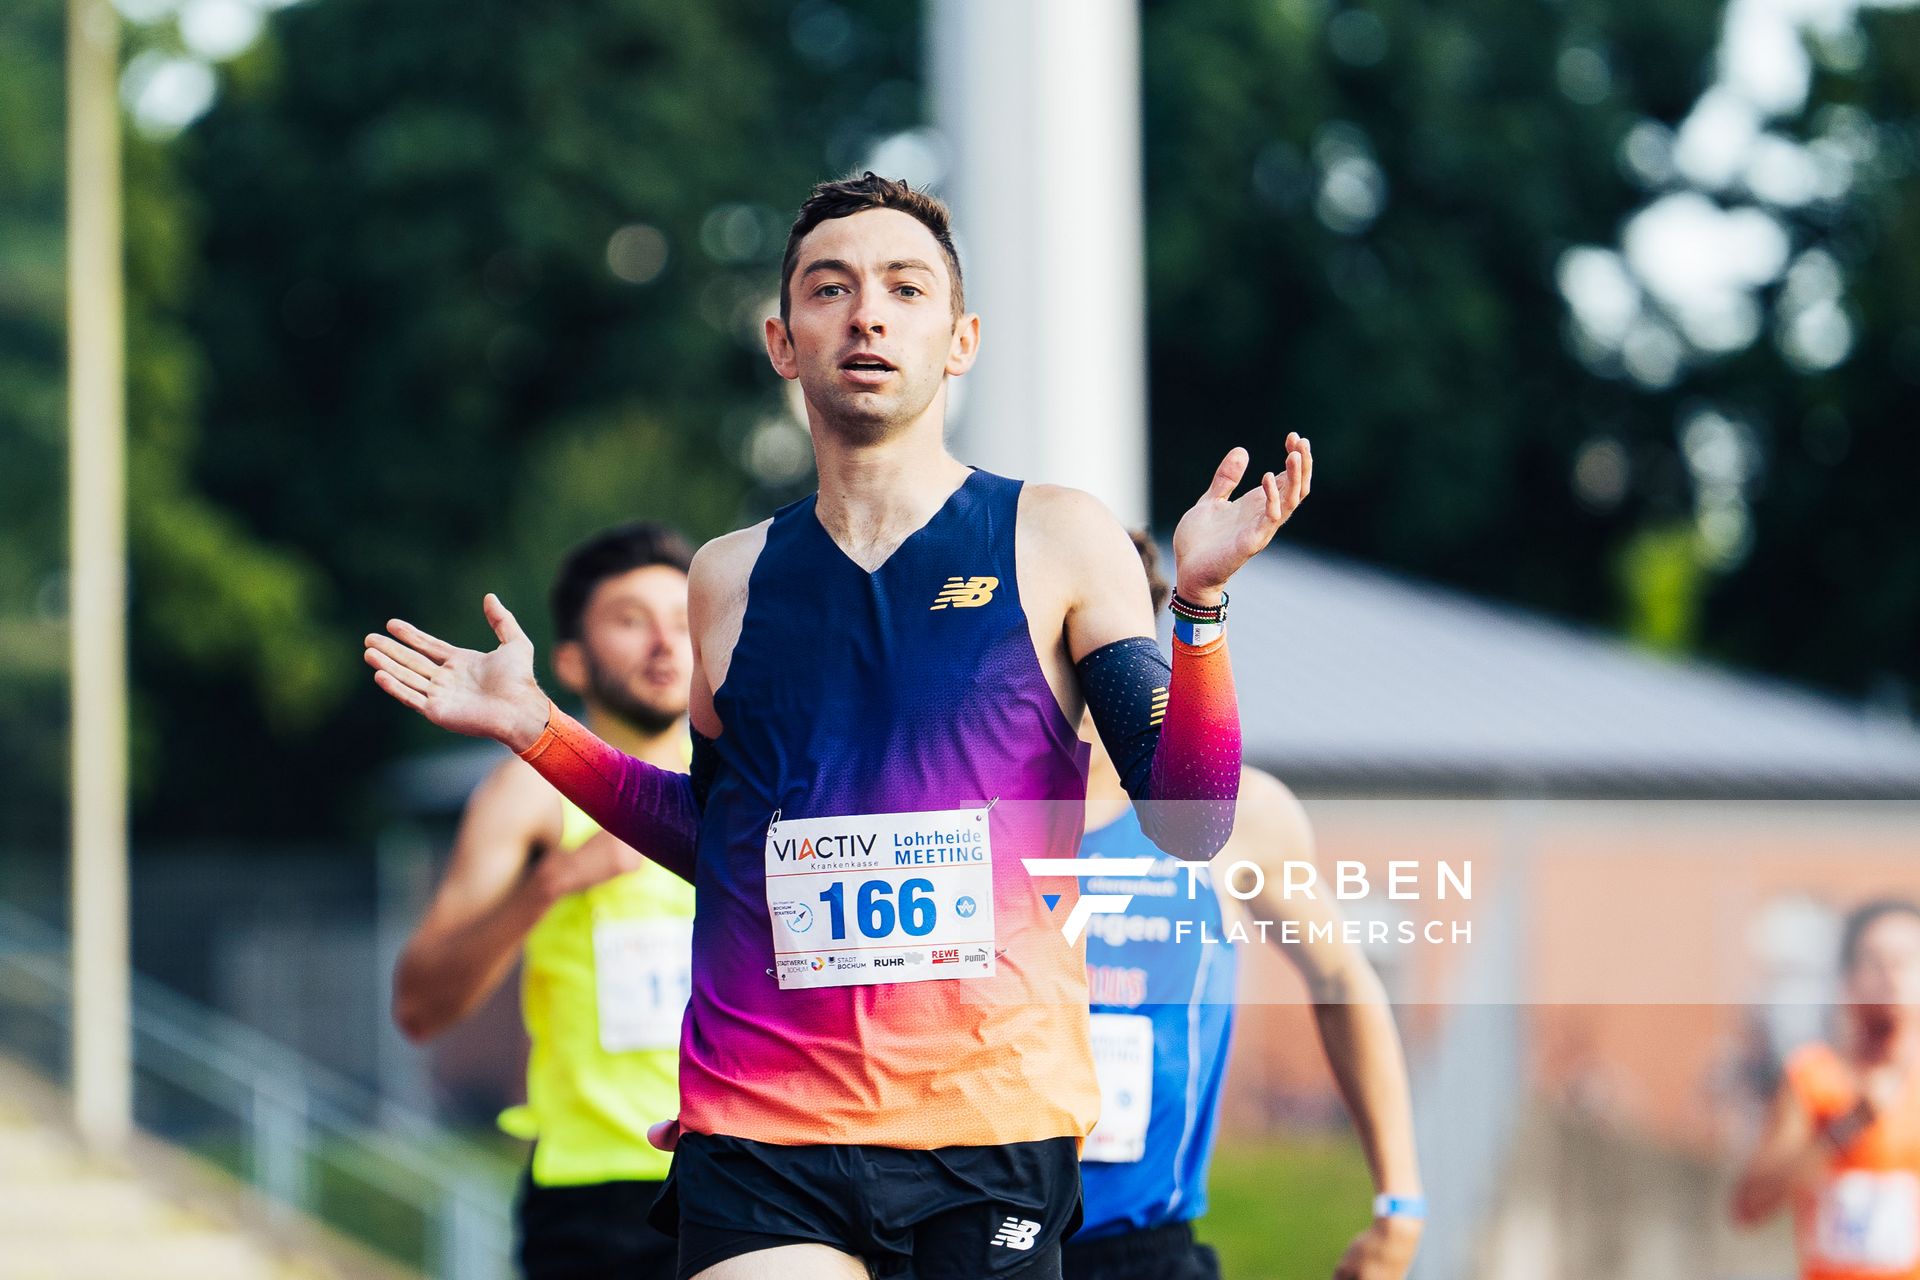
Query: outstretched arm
[494, 695]
[1173, 728]
[484, 907]
[505, 872]
[1351, 1013]
[655, 810]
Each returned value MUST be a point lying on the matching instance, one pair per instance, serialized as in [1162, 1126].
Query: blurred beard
[614, 698]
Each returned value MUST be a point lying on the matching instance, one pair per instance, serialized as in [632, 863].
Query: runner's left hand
[1220, 533]
[1383, 1251]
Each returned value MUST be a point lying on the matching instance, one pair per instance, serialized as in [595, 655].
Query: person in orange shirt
[1842, 1142]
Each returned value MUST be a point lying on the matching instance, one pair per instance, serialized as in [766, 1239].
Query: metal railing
[309, 1140]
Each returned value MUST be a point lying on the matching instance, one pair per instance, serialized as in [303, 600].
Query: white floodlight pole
[1039, 102]
[96, 407]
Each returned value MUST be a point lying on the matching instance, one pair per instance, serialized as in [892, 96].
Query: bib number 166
[875, 912]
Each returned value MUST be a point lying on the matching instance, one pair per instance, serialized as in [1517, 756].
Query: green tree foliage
[437, 289]
[1831, 592]
[479, 279]
[206, 595]
[32, 425]
[1355, 216]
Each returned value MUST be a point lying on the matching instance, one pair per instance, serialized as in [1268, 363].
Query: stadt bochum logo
[1089, 904]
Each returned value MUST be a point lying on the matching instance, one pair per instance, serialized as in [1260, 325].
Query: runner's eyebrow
[819, 265]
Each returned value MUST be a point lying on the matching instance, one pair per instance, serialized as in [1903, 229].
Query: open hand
[484, 695]
[1220, 533]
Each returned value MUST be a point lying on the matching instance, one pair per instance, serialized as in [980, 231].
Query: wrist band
[1386, 1206]
[1197, 634]
[1197, 624]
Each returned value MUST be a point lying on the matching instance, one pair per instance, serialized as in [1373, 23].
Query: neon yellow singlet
[603, 984]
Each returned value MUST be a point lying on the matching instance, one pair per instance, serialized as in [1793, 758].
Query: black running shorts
[957, 1213]
[1157, 1253]
[592, 1232]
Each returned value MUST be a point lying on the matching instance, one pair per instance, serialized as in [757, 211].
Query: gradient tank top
[911, 690]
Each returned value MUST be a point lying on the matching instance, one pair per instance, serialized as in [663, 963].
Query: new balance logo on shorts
[965, 593]
[1017, 1233]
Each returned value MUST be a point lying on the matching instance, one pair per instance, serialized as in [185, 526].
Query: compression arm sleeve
[657, 811]
[1173, 731]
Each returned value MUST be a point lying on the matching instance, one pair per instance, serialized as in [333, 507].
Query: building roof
[1353, 678]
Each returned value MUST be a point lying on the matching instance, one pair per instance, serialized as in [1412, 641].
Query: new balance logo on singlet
[1017, 1233]
[965, 593]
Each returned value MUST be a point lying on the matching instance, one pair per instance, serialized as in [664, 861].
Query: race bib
[642, 975]
[883, 897]
[1870, 1220]
[1123, 1063]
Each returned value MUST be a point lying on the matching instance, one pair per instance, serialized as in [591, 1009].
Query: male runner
[1842, 1142]
[885, 1061]
[1162, 1018]
[604, 935]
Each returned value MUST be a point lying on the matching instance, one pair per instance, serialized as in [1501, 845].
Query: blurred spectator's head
[620, 621]
[1880, 958]
[1157, 585]
[848, 196]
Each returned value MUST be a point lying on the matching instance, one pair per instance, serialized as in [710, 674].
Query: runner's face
[1886, 970]
[638, 651]
[871, 333]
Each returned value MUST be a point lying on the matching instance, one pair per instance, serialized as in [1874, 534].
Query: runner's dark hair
[848, 196]
[608, 554]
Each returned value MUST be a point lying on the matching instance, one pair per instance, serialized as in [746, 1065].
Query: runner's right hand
[484, 695]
